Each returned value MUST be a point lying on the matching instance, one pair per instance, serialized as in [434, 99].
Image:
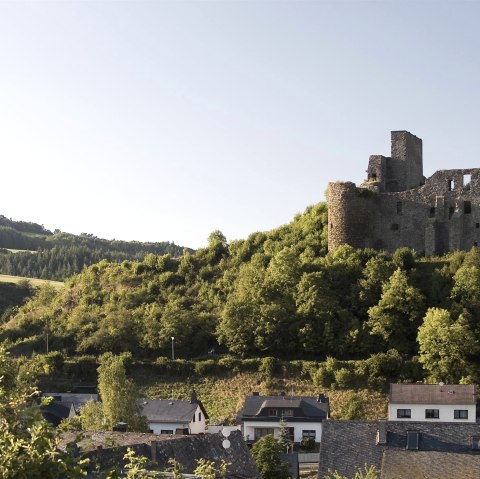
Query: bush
[203, 368]
[323, 377]
[268, 367]
[308, 444]
[230, 363]
[344, 378]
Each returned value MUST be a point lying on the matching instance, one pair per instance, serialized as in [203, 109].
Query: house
[106, 450]
[261, 415]
[432, 402]
[175, 416]
[65, 405]
[401, 450]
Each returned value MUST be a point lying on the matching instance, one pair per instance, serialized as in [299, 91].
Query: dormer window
[273, 412]
[288, 412]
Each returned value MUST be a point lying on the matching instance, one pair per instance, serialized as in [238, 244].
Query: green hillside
[351, 319]
[30, 250]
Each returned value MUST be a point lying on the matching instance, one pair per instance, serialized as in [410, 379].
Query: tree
[371, 472]
[397, 315]
[209, 470]
[285, 438]
[446, 346]
[267, 452]
[28, 444]
[120, 400]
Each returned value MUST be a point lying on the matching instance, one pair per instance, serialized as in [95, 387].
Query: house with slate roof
[432, 402]
[401, 450]
[175, 416]
[65, 405]
[261, 415]
[106, 450]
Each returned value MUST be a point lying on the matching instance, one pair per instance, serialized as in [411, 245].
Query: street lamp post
[173, 348]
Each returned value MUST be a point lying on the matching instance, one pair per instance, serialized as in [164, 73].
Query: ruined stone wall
[435, 216]
[348, 215]
[406, 152]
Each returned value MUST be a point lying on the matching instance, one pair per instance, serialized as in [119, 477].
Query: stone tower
[396, 206]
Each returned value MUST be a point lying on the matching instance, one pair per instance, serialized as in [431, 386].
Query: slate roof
[433, 394]
[170, 410]
[349, 445]
[106, 449]
[55, 411]
[305, 409]
[402, 464]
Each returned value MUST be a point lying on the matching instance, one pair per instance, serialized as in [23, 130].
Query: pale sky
[166, 120]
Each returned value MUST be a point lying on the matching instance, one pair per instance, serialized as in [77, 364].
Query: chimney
[282, 394]
[255, 393]
[322, 398]
[193, 397]
[381, 439]
[153, 450]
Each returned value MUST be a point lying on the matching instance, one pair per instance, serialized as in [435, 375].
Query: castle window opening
[394, 226]
[399, 207]
[432, 212]
[466, 181]
[475, 243]
[467, 207]
[451, 185]
[477, 225]
[451, 210]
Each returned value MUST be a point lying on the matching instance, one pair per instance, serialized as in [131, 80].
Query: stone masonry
[397, 206]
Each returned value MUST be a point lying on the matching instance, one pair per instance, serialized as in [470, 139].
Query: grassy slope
[5, 278]
[224, 396]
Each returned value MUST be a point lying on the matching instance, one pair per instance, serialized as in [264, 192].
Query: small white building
[175, 416]
[261, 415]
[432, 402]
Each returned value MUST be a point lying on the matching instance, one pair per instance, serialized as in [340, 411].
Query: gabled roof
[402, 464]
[304, 408]
[170, 410]
[433, 394]
[349, 445]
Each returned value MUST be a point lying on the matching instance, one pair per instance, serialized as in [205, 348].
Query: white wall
[418, 412]
[249, 429]
[157, 427]
[197, 427]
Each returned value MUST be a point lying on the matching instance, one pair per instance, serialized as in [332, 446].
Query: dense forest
[277, 293]
[57, 256]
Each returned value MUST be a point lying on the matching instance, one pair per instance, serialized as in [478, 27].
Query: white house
[261, 415]
[175, 416]
[432, 402]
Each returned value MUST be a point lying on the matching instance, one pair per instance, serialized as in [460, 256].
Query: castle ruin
[397, 206]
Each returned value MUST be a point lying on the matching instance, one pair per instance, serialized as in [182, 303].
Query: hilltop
[30, 250]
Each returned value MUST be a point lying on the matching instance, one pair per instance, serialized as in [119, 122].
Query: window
[451, 210]
[273, 412]
[262, 431]
[477, 225]
[432, 212]
[394, 226]
[432, 414]
[166, 431]
[199, 416]
[399, 207]
[287, 412]
[404, 413]
[412, 440]
[466, 181]
[460, 414]
[476, 443]
[309, 433]
[467, 207]
[451, 185]
[193, 419]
